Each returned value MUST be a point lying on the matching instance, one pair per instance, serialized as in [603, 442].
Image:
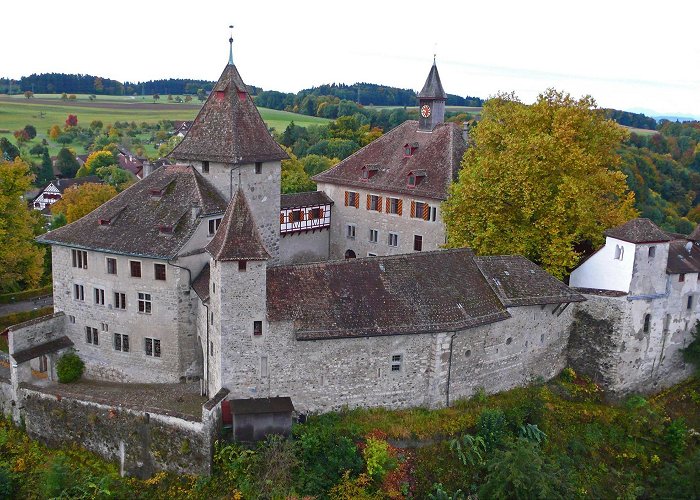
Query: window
[135, 268]
[420, 210]
[257, 328]
[121, 342]
[145, 303]
[468, 353]
[263, 366]
[211, 348]
[159, 271]
[104, 327]
[393, 240]
[111, 265]
[214, 225]
[78, 292]
[213, 287]
[352, 199]
[315, 213]
[396, 363]
[433, 214]
[258, 167]
[91, 335]
[619, 252]
[152, 347]
[242, 265]
[371, 254]
[205, 167]
[681, 277]
[652, 252]
[79, 258]
[295, 216]
[211, 318]
[119, 300]
[412, 180]
[690, 302]
[350, 231]
[394, 206]
[373, 235]
[417, 243]
[647, 322]
[509, 340]
[71, 319]
[374, 202]
[99, 295]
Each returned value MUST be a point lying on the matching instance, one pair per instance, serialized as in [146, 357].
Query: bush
[676, 436]
[6, 484]
[492, 427]
[69, 368]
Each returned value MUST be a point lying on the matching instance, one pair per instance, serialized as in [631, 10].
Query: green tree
[116, 176]
[294, 178]
[8, 151]
[45, 173]
[539, 180]
[315, 164]
[67, 163]
[201, 94]
[95, 161]
[31, 131]
[37, 150]
[78, 201]
[21, 260]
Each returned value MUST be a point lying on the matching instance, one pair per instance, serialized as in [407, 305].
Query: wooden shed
[254, 419]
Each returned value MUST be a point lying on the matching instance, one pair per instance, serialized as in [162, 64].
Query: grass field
[459, 109]
[641, 131]
[45, 110]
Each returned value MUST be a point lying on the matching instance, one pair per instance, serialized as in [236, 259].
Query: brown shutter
[369, 202]
[281, 218]
[347, 195]
[400, 207]
[301, 214]
[426, 211]
[413, 208]
[320, 213]
[379, 203]
[388, 206]
[357, 200]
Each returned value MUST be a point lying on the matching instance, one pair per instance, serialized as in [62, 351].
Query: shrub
[57, 478]
[6, 484]
[676, 436]
[568, 375]
[492, 427]
[69, 368]
[691, 354]
[377, 458]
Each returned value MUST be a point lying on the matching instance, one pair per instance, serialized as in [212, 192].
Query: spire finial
[230, 48]
[434, 52]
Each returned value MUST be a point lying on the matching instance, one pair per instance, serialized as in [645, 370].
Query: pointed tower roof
[237, 238]
[433, 86]
[229, 128]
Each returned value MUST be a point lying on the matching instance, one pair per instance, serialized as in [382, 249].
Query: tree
[67, 163]
[54, 132]
[539, 180]
[78, 201]
[201, 94]
[156, 97]
[37, 150]
[188, 98]
[64, 96]
[21, 260]
[45, 173]
[96, 160]
[31, 131]
[8, 151]
[72, 97]
[29, 94]
[116, 176]
[294, 178]
[71, 121]
[21, 136]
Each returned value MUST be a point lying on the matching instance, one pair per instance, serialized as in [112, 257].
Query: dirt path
[26, 305]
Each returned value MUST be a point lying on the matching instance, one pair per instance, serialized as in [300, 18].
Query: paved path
[26, 305]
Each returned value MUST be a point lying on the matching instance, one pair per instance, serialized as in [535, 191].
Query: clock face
[425, 111]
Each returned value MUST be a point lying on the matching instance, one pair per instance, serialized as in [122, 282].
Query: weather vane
[230, 43]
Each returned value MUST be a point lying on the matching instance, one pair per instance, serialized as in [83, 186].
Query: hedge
[8, 298]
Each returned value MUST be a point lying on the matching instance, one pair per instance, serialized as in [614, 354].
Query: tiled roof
[200, 285]
[433, 86]
[63, 184]
[695, 235]
[229, 128]
[683, 257]
[638, 231]
[261, 405]
[237, 237]
[439, 153]
[138, 221]
[41, 350]
[426, 292]
[304, 199]
[520, 282]
[599, 291]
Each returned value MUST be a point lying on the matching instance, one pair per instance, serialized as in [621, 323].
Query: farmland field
[45, 110]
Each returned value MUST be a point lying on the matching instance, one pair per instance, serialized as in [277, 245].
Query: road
[26, 305]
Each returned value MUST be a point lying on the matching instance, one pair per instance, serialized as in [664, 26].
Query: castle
[203, 271]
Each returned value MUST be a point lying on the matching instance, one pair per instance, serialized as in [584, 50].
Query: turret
[431, 101]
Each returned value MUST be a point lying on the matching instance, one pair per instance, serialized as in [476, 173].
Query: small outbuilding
[255, 419]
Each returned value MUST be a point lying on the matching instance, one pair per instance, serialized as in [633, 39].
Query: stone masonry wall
[301, 247]
[36, 332]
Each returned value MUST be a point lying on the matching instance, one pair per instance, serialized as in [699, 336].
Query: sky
[633, 55]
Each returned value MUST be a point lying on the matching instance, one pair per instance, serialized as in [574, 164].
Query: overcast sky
[627, 54]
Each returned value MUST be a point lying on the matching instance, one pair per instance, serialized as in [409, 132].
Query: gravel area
[170, 399]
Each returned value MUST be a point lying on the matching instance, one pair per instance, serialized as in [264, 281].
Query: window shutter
[413, 208]
[347, 195]
[379, 203]
[400, 207]
[369, 202]
[320, 213]
[281, 218]
[357, 200]
[301, 214]
[388, 207]
[426, 211]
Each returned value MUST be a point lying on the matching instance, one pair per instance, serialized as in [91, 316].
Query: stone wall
[305, 246]
[36, 332]
[142, 442]
[7, 397]
[433, 232]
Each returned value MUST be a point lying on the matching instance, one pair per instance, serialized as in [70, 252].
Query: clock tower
[431, 102]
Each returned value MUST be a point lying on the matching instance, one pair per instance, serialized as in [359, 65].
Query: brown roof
[425, 292]
[520, 282]
[683, 257]
[439, 154]
[229, 128]
[638, 231]
[63, 184]
[307, 199]
[152, 218]
[433, 86]
[599, 291]
[261, 405]
[237, 238]
[200, 285]
[695, 235]
[34, 352]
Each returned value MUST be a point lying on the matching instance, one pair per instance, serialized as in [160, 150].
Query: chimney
[465, 132]
[148, 169]
[195, 210]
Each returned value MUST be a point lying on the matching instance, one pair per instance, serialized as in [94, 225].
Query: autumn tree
[78, 201]
[21, 136]
[294, 177]
[95, 161]
[21, 260]
[539, 180]
[71, 121]
[54, 132]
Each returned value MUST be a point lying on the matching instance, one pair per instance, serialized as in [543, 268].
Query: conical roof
[237, 237]
[229, 128]
[433, 86]
[695, 235]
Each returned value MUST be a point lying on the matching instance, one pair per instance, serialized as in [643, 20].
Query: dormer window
[416, 177]
[219, 95]
[103, 222]
[368, 171]
[241, 95]
[165, 229]
[410, 148]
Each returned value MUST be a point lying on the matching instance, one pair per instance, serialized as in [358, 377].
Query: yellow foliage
[78, 201]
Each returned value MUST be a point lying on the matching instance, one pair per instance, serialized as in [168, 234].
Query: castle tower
[431, 101]
[238, 300]
[232, 148]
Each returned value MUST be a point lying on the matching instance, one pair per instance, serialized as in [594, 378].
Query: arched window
[647, 322]
[349, 254]
[619, 252]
